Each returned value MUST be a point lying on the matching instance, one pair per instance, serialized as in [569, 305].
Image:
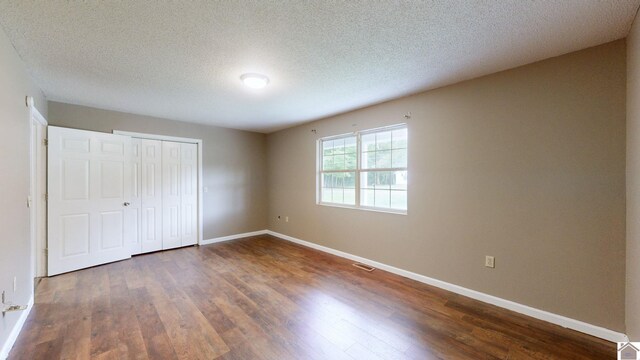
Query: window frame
[358, 170]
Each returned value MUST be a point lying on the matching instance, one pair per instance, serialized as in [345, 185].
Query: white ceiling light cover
[254, 81]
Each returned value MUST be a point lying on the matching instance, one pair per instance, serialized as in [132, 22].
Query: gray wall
[633, 183]
[527, 165]
[15, 247]
[234, 163]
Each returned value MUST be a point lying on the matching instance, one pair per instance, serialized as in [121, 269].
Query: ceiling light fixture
[254, 81]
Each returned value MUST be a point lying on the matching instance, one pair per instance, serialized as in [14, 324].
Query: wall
[527, 165]
[234, 163]
[633, 183]
[15, 247]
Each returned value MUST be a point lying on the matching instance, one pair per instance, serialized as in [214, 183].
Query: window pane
[327, 147]
[399, 181]
[327, 162]
[333, 154]
[337, 196]
[338, 180]
[339, 188]
[383, 140]
[383, 159]
[350, 145]
[399, 139]
[349, 196]
[384, 179]
[384, 189]
[338, 146]
[349, 180]
[367, 197]
[326, 180]
[399, 200]
[368, 142]
[338, 162]
[368, 180]
[350, 161]
[382, 198]
[325, 195]
[399, 158]
[369, 160]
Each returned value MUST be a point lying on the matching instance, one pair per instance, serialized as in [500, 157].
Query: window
[365, 170]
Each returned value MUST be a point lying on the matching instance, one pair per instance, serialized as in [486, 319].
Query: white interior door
[151, 195]
[132, 214]
[171, 205]
[189, 193]
[89, 189]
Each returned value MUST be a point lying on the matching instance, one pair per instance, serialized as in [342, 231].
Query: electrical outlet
[490, 262]
[286, 219]
[15, 284]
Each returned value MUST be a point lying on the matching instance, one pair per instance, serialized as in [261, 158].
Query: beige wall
[633, 183]
[527, 165]
[15, 248]
[234, 163]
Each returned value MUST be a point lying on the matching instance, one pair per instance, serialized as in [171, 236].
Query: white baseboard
[563, 321]
[13, 335]
[233, 237]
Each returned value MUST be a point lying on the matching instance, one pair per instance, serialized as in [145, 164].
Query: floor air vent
[364, 267]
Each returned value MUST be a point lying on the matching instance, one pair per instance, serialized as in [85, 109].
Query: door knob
[127, 204]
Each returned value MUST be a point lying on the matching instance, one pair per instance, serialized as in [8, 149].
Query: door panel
[75, 182]
[133, 215]
[151, 195]
[189, 193]
[171, 232]
[75, 235]
[111, 179]
[112, 234]
[89, 184]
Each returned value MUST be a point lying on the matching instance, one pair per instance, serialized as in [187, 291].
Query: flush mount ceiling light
[254, 81]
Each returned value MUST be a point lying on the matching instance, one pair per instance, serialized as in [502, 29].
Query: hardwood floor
[265, 298]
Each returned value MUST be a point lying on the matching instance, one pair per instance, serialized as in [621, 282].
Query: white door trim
[138, 135]
[37, 189]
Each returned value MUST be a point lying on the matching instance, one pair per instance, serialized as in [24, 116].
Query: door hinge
[46, 142]
[46, 197]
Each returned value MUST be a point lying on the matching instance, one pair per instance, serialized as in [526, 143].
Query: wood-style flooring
[265, 298]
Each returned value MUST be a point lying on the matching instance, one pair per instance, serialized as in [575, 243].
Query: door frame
[198, 142]
[37, 189]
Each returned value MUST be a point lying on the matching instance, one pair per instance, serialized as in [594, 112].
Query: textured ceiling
[182, 59]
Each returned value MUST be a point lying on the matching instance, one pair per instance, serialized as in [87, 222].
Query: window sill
[386, 211]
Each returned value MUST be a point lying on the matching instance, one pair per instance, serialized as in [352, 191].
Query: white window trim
[358, 171]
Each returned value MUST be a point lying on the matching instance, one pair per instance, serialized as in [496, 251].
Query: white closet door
[189, 193]
[171, 205]
[151, 195]
[89, 186]
[133, 213]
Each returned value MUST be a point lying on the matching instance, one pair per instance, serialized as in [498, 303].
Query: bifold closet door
[179, 194]
[89, 187]
[151, 195]
[132, 214]
[189, 193]
[171, 191]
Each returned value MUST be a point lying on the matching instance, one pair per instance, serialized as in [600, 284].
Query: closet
[116, 195]
[165, 181]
